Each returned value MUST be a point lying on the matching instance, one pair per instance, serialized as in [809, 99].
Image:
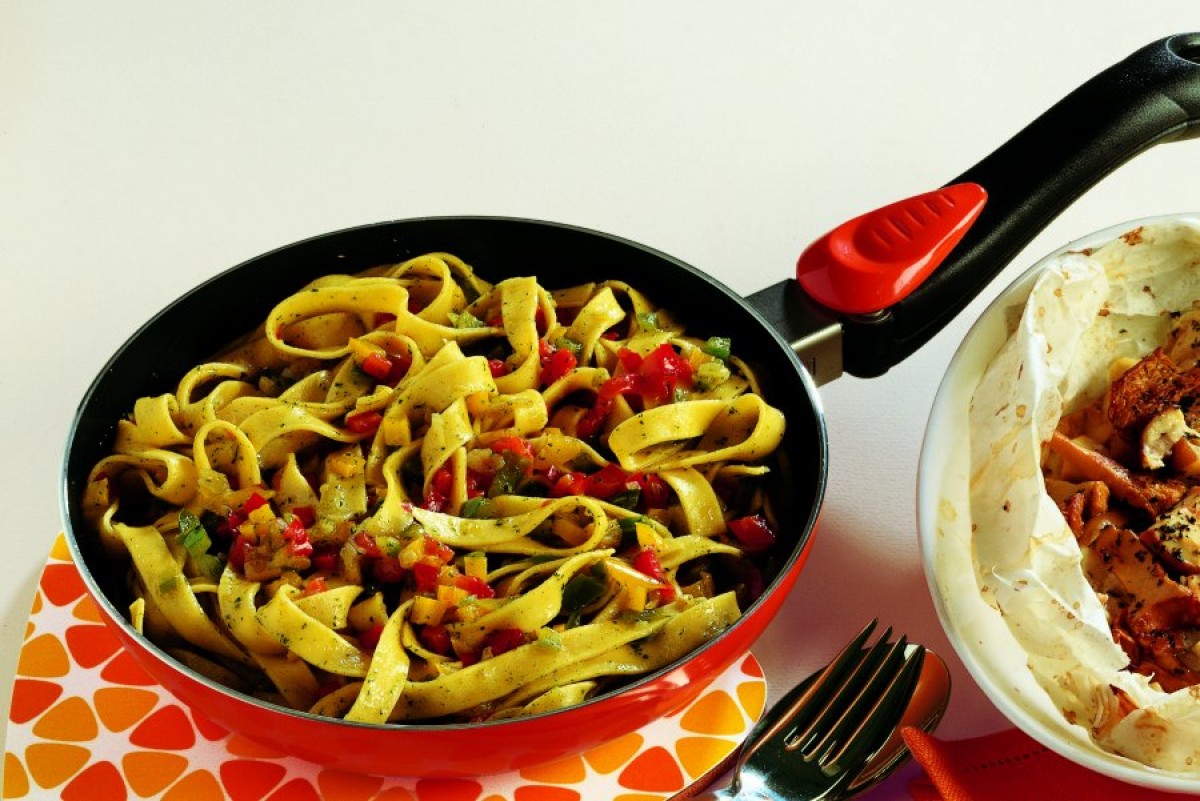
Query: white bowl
[975, 629]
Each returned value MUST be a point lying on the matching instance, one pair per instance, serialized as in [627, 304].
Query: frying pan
[866, 296]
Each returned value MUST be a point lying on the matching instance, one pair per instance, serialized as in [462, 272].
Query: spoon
[924, 712]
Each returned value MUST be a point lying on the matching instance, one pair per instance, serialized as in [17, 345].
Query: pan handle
[1150, 97]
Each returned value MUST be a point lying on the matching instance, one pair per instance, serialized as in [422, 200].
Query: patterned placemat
[88, 724]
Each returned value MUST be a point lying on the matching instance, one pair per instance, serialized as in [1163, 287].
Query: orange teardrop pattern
[124, 669]
[32, 697]
[200, 785]
[70, 720]
[448, 790]
[51, 764]
[240, 745]
[150, 772]
[250, 779]
[117, 732]
[655, 769]
[714, 713]
[168, 728]
[16, 780]
[43, 657]
[348, 786]
[295, 790]
[59, 551]
[616, 754]
[85, 609]
[62, 584]
[91, 644]
[752, 695]
[120, 707]
[100, 781]
[565, 771]
[698, 754]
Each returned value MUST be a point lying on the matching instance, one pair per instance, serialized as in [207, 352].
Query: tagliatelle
[415, 495]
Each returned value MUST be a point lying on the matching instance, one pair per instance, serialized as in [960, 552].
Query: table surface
[146, 147]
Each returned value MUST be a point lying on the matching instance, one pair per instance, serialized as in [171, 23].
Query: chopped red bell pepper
[443, 479]
[377, 365]
[645, 561]
[498, 367]
[425, 574]
[477, 482]
[363, 422]
[435, 638]
[369, 639]
[387, 570]
[296, 537]
[386, 368]
[294, 530]
[365, 544]
[238, 551]
[608, 481]
[656, 494]
[474, 586]
[438, 550]
[605, 483]
[559, 363]
[437, 497]
[752, 532]
[300, 549]
[629, 362]
[315, 585]
[662, 370]
[435, 501]
[518, 446]
[255, 501]
[502, 640]
[567, 484]
[590, 423]
[306, 514]
[654, 377]
[325, 561]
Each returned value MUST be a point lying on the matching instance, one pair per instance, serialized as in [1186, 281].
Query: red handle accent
[874, 261]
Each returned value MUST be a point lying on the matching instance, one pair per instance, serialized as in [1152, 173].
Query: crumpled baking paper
[1085, 310]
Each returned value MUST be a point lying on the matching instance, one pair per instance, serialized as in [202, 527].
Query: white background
[146, 146]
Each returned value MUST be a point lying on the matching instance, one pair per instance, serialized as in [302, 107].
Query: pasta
[1125, 473]
[413, 495]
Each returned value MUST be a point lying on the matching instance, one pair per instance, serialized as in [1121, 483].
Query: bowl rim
[962, 375]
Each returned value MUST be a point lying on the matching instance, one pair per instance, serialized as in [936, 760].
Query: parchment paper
[1085, 310]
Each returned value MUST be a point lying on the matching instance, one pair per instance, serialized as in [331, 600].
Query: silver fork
[816, 739]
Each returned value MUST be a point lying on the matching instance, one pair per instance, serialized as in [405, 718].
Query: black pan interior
[207, 318]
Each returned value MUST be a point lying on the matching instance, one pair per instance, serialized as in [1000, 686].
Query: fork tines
[853, 705]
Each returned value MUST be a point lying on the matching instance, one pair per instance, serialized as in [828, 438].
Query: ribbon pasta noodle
[413, 495]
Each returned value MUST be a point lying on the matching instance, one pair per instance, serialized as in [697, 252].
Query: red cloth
[1010, 766]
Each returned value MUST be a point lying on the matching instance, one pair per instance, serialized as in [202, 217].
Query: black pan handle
[1150, 97]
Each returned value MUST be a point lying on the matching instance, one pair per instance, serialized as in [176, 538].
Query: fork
[816, 740]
